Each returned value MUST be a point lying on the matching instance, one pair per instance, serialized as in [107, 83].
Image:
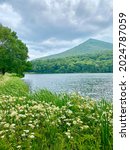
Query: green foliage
[13, 52]
[90, 56]
[98, 62]
[45, 120]
[12, 85]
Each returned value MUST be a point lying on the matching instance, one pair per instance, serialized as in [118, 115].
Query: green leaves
[98, 62]
[13, 52]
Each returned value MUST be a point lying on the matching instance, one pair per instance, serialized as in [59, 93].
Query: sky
[52, 26]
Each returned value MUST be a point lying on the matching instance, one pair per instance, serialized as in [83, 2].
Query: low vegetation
[49, 121]
[12, 85]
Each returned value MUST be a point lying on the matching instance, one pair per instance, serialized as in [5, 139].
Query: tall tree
[13, 52]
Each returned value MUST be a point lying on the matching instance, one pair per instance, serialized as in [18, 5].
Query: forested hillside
[89, 56]
[98, 62]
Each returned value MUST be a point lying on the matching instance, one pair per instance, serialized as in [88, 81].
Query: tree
[13, 52]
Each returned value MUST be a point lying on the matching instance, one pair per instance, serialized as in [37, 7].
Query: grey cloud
[48, 18]
[66, 20]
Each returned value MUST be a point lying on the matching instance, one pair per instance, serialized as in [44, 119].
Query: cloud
[8, 16]
[53, 25]
[50, 46]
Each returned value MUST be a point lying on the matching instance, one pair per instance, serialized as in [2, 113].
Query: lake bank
[52, 121]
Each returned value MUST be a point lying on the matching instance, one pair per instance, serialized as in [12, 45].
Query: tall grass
[10, 84]
[50, 121]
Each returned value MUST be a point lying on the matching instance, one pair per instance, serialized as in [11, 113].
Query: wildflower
[22, 116]
[69, 111]
[69, 124]
[6, 130]
[74, 122]
[1, 132]
[6, 125]
[23, 134]
[31, 125]
[69, 104]
[12, 126]
[2, 123]
[37, 125]
[79, 121]
[33, 115]
[21, 98]
[85, 126]
[38, 107]
[32, 133]
[26, 131]
[31, 136]
[63, 117]
[68, 134]
[2, 136]
[19, 146]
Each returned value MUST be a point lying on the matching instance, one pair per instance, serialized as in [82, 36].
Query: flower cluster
[24, 120]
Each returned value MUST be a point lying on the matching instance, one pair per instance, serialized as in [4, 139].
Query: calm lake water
[95, 85]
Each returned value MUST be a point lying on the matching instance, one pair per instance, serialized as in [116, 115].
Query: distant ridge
[92, 56]
[87, 47]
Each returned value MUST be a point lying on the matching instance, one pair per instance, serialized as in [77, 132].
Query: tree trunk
[3, 71]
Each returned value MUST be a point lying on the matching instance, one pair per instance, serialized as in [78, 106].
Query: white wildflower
[2, 123]
[19, 146]
[31, 125]
[68, 134]
[12, 126]
[1, 132]
[31, 136]
[6, 125]
[69, 111]
[2, 136]
[74, 122]
[26, 131]
[85, 126]
[69, 124]
[23, 134]
[22, 116]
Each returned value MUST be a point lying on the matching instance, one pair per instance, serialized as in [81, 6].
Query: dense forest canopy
[93, 63]
[13, 52]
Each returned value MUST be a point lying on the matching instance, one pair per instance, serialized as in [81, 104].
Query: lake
[95, 85]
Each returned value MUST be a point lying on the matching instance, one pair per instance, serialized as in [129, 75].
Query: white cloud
[60, 43]
[9, 17]
[105, 35]
[52, 26]
[50, 46]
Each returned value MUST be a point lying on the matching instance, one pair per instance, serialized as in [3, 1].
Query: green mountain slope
[94, 63]
[90, 46]
[90, 56]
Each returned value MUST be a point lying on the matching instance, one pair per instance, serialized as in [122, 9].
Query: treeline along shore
[91, 63]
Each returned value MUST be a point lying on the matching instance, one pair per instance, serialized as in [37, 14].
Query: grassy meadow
[50, 121]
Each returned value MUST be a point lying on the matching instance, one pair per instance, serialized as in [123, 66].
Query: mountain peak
[87, 47]
[91, 39]
[95, 40]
